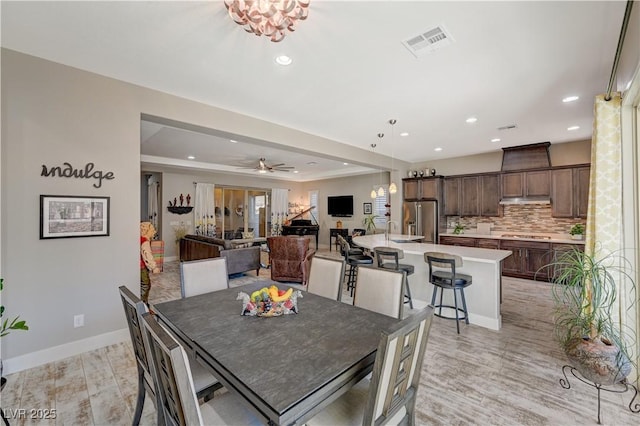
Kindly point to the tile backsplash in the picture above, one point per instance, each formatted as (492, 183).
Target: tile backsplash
(520, 218)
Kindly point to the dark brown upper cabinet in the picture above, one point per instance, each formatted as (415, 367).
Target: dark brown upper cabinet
(526, 184)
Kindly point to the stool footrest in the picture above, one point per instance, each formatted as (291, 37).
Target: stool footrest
(437, 307)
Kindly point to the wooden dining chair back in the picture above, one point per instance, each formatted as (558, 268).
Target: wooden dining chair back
(396, 372)
(175, 386)
(325, 277)
(389, 398)
(380, 290)
(134, 307)
(203, 276)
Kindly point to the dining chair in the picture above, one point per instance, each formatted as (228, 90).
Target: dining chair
(175, 385)
(390, 396)
(203, 276)
(134, 308)
(325, 277)
(380, 290)
(444, 276)
(389, 258)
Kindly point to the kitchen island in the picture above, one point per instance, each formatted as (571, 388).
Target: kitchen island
(484, 265)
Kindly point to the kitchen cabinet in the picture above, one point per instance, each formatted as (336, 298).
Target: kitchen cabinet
(490, 195)
(558, 249)
(415, 189)
(570, 192)
(534, 183)
(458, 241)
(478, 195)
(527, 259)
(489, 243)
(452, 195)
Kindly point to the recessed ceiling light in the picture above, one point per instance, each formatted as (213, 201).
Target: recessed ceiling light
(345, 164)
(262, 171)
(438, 149)
(232, 141)
(295, 171)
(471, 120)
(573, 128)
(191, 157)
(570, 98)
(495, 140)
(404, 134)
(283, 60)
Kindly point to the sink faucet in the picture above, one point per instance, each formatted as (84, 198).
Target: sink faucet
(387, 229)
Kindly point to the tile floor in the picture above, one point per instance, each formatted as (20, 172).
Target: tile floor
(479, 377)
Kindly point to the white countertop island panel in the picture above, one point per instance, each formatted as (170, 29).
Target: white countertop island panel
(484, 265)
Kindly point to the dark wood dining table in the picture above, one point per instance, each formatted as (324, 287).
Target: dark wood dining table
(286, 368)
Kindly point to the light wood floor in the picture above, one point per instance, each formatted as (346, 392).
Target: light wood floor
(478, 377)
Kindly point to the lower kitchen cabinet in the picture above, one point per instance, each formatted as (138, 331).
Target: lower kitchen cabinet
(527, 259)
(489, 243)
(458, 241)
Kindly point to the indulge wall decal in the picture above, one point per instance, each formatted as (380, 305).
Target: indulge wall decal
(68, 171)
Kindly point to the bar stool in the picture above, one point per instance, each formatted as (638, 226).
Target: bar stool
(388, 259)
(353, 258)
(448, 280)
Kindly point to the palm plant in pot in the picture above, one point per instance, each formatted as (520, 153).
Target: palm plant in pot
(585, 294)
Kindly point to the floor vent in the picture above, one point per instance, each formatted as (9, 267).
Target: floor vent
(428, 41)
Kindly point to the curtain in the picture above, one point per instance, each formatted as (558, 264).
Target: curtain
(204, 208)
(279, 209)
(604, 215)
(152, 201)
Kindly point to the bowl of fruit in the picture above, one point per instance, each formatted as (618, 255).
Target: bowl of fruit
(270, 302)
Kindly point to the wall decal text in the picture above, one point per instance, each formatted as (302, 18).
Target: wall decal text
(68, 171)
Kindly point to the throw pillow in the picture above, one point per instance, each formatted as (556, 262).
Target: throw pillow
(249, 234)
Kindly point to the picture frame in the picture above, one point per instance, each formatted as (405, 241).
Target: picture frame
(73, 216)
(367, 208)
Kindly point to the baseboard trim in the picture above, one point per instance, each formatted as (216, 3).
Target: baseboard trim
(34, 359)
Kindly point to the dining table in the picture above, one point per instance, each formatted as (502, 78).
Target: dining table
(285, 368)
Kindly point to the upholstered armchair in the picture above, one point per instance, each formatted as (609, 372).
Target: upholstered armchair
(290, 258)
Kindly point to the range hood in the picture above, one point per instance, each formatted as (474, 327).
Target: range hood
(507, 201)
(522, 158)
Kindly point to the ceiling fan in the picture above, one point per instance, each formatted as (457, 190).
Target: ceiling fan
(263, 167)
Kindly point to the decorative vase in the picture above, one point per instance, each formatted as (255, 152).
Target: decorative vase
(410, 173)
(597, 361)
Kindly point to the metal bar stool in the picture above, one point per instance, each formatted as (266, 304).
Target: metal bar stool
(448, 279)
(388, 259)
(353, 258)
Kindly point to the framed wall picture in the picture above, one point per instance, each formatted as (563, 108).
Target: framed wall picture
(367, 208)
(67, 216)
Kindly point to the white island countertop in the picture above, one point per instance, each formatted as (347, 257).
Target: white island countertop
(413, 247)
(484, 265)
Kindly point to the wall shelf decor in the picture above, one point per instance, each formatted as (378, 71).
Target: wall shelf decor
(180, 209)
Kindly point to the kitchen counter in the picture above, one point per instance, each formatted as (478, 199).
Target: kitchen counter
(484, 265)
(519, 236)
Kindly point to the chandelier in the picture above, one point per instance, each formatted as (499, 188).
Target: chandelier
(270, 18)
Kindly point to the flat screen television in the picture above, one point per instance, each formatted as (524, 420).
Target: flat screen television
(341, 205)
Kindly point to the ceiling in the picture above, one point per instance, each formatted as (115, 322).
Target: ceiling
(509, 64)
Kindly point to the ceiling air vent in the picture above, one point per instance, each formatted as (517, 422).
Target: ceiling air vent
(428, 41)
(509, 127)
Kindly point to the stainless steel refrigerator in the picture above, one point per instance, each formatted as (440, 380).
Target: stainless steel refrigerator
(421, 218)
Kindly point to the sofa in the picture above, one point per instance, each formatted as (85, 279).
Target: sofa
(290, 258)
(195, 247)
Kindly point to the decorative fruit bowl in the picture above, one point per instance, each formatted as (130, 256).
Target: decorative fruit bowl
(270, 302)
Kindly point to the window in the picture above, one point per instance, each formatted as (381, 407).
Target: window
(379, 209)
(313, 202)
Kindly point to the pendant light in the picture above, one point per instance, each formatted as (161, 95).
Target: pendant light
(392, 186)
(373, 191)
(380, 189)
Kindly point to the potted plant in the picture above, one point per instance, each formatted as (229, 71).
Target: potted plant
(577, 231)
(369, 222)
(6, 326)
(584, 290)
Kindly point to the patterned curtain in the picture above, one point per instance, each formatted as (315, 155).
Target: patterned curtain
(279, 209)
(204, 207)
(604, 217)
